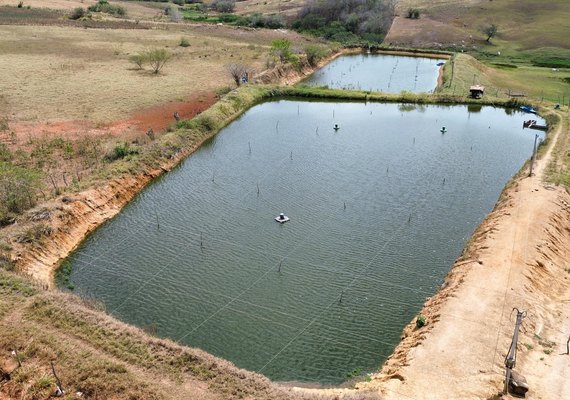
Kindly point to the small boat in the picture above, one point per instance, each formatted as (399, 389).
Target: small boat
(528, 109)
(532, 124)
(439, 64)
(282, 218)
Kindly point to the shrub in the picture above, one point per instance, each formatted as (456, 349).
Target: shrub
(184, 42)
(157, 58)
(315, 53)
(179, 2)
(120, 151)
(138, 59)
(18, 188)
(20, 4)
(104, 7)
(413, 13)
(420, 321)
(34, 233)
(224, 6)
(281, 48)
(77, 13)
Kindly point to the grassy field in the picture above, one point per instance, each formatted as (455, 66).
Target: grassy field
(55, 73)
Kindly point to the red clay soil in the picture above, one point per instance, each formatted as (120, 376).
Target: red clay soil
(159, 118)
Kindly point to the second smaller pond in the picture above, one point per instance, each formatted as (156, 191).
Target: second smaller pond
(378, 73)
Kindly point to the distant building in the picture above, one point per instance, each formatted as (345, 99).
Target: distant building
(477, 91)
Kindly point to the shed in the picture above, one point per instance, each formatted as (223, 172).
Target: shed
(477, 91)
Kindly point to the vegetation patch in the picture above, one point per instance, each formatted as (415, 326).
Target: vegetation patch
(350, 22)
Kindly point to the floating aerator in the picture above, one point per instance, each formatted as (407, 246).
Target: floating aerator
(282, 218)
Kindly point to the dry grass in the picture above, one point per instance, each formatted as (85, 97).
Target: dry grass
(286, 8)
(523, 24)
(134, 9)
(57, 73)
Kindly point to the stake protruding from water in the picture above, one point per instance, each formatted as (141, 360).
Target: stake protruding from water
(340, 299)
(249, 144)
(258, 190)
(280, 263)
(345, 205)
(201, 241)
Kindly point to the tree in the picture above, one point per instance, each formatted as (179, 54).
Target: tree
(281, 48)
(157, 58)
(18, 189)
(237, 72)
(490, 31)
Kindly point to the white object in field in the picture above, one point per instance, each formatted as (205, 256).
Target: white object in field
(282, 218)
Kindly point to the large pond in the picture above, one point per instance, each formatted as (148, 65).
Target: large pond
(379, 211)
(378, 72)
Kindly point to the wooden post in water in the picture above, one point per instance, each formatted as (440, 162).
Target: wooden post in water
(280, 263)
(533, 158)
(249, 144)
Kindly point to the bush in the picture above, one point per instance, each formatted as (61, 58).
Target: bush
(179, 2)
(138, 59)
(104, 7)
(34, 233)
(77, 13)
(184, 42)
(420, 321)
(281, 48)
(315, 53)
(224, 6)
(413, 13)
(120, 151)
(18, 189)
(157, 58)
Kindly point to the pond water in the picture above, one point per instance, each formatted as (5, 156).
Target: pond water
(378, 72)
(379, 211)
